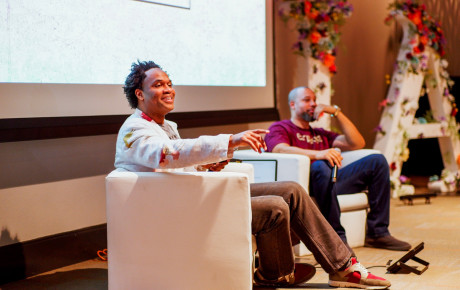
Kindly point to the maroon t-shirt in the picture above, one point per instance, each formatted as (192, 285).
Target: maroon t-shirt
(286, 132)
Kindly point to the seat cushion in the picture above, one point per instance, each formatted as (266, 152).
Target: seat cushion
(353, 202)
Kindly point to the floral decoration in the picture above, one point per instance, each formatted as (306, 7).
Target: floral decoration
(427, 28)
(428, 32)
(424, 32)
(317, 23)
(451, 180)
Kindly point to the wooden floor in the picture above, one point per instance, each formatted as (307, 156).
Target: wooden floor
(436, 224)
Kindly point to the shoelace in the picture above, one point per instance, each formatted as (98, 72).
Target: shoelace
(361, 269)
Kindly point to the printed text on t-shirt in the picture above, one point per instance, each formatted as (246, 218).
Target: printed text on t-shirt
(309, 139)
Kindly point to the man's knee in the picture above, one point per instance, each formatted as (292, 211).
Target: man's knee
(377, 161)
(381, 160)
(320, 167)
(295, 187)
(278, 208)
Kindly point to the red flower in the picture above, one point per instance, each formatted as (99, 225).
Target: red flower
(441, 51)
(333, 69)
(423, 39)
(313, 14)
(419, 48)
(383, 104)
(315, 36)
(393, 166)
(415, 17)
(329, 60)
(307, 7)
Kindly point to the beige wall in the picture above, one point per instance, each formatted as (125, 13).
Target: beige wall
(53, 186)
(363, 62)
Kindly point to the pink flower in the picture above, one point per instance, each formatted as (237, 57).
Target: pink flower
(383, 104)
(378, 128)
(404, 179)
(397, 91)
(297, 45)
(446, 92)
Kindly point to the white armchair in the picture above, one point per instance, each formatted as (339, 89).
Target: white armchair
(179, 230)
(293, 167)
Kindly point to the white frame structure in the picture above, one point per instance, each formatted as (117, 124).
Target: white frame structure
(397, 122)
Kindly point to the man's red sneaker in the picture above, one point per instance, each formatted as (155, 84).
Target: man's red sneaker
(357, 276)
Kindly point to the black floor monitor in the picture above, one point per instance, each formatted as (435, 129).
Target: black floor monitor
(400, 267)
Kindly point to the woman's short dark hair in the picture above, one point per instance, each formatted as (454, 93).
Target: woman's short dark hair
(135, 79)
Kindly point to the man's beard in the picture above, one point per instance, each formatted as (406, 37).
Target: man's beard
(307, 117)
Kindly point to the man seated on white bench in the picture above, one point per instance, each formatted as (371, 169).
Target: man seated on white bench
(148, 142)
(371, 173)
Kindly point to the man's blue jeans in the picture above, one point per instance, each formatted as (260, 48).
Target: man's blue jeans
(371, 173)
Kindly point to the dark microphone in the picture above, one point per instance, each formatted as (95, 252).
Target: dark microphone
(335, 168)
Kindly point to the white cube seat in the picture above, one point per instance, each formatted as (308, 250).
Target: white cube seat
(179, 230)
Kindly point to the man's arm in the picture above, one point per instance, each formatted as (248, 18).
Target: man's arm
(351, 139)
(249, 138)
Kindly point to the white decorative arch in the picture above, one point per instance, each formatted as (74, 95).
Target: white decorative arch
(397, 124)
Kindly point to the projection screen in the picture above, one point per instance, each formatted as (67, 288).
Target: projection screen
(62, 58)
